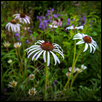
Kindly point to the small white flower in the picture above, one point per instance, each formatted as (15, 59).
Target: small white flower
(22, 18)
(17, 45)
(72, 27)
(10, 61)
(26, 28)
(32, 91)
(79, 70)
(46, 48)
(15, 27)
(31, 76)
(68, 74)
(87, 40)
(53, 26)
(74, 70)
(6, 44)
(83, 67)
(12, 84)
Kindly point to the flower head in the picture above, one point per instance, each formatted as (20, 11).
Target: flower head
(58, 22)
(32, 91)
(6, 44)
(31, 76)
(15, 27)
(22, 18)
(9, 61)
(87, 40)
(78, 70)
(74, 70)
(46, 48)
(12, 84)
(68, 74)
(72, 27)
(83, 67)
(17, 45)
(53, 26)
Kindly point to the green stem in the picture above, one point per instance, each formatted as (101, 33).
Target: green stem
(12, 64)
(72, 69)
(73, 81)
(45, 79)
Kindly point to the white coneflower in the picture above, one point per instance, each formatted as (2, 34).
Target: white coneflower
(15, 27)
(6, 44)
(46, 48)
(12, 84)
(87, 40)
(22, 18)
(32, 91)
(53, 26)
(68, 74)
(31, 76)
(9, 61)
(17, 45)
(72, 27)
(74, 70)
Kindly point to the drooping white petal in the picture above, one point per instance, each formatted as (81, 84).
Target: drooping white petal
(28, 20)
(35, 46)
(80, 42)
(44, 56)
(12, 27)
(9, 27)
(48, 58)
(35, 54)
(91, 46)
(32, 52)
(33, 49)
(39, 54)
(55, 58)
(58, 51)
(71, 27)
(77, 36)
(86, 47)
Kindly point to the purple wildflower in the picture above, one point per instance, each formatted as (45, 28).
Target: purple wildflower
(17, 34)
(68, 21)
(58, 15)
(5, 90)
(55, 15)
(27, 41)
(37, 17)
(52, 9)
(18, 38)
(47, 87)
(48, 11)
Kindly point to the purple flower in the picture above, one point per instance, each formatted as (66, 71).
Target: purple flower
(37, 17)
(5, 90)
(48, 11)
(68, 21)
(18, 38)
(55, 81)
(30, 31)
(27, 41)
(58, 15)
(17, 34)
(47, 87)
(55, 15)
(52, 9)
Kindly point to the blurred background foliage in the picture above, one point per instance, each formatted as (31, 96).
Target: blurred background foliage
(90, 79)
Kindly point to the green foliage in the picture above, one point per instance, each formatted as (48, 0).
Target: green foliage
(86, 86)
